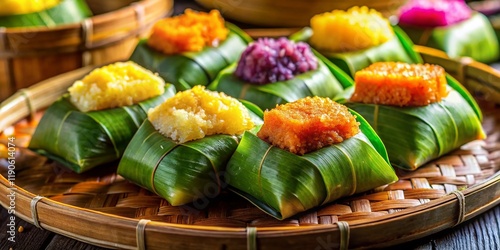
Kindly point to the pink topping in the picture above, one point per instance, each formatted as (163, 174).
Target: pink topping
(434, 13)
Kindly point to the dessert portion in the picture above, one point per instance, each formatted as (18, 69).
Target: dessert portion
(307, 153)
(356, 38)
(94, 122)
(450, 26)
(184, 145)
(418, 111)
(191, 49)
(196, 113)
(276, 71)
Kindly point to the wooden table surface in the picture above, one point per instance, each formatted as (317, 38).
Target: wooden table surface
(481, 232)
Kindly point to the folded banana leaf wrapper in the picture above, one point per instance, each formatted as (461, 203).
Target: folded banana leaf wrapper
(398, 49)
(188, 69)
(180, 173)
(67, 11)
(326, 81)
(495, 23)
(283, 184)
(414, 136)
(474, 38)
(83, 140)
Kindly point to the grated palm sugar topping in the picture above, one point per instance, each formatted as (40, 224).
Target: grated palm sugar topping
(308, 124)
(400, 84)
(191, 31)
(196, 113)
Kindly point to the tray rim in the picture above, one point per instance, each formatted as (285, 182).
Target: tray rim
(124, 230)
(237, 236)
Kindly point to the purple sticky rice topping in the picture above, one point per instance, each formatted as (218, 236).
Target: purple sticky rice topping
(270, 60)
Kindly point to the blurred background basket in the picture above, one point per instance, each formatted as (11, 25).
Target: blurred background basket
(290, 13)
(29, 55)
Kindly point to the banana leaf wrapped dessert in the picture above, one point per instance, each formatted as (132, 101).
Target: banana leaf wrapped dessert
(180, 151)
(307, 153)
(46, 13)
(418, 111)
(356, 38)
(93, 124)
(450, 26)
(191, 49)
(275, 71)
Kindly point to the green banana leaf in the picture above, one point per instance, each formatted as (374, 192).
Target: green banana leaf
(398, 49)
(180, 173)
(474, 38)
(495, 23)
(319, 82)
(283, 184)
(414, 136)
(83, 140)
(68, 11)
(193, 68)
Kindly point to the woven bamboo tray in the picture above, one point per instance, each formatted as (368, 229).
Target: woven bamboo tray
(101, 208)
(30, 55)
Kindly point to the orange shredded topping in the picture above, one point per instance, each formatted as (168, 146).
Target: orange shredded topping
(400, 84)
(191, 31)
(308, 124)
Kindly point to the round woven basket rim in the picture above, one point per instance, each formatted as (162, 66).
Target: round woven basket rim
(157, 10)
(433, 203)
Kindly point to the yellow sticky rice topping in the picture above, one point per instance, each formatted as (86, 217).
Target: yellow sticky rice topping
(196, 113)
(115, 85)
(191, 31)
(17, 7)
(400, 84)
(355, 29)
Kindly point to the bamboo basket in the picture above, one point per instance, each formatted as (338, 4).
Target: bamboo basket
(29, 55)
(100, 7)
(290, 13)
(100, 208)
